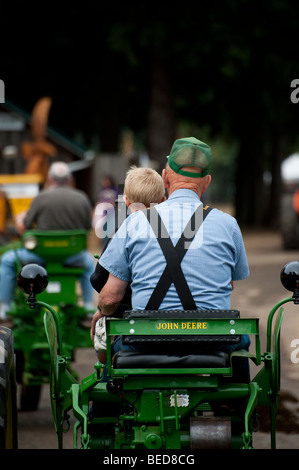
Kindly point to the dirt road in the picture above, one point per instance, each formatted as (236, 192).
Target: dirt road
(253, 297)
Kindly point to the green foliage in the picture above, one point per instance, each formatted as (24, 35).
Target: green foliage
(226, 65)
(224, 153)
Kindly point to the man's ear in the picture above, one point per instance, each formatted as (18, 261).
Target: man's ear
(207, 183)
(165, 178)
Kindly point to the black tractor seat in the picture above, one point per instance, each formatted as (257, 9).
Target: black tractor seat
(136, 360)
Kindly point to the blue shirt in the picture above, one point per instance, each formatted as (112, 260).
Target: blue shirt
(215, 257)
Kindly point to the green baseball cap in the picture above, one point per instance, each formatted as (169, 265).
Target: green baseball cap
(190, 152)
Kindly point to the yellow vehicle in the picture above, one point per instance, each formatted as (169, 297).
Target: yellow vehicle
(16, 194)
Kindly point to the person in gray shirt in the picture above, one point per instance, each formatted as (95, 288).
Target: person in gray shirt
(58, 207)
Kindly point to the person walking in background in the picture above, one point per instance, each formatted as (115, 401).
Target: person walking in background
(103, 217)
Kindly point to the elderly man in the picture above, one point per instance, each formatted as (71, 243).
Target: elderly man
(213, 255)
(58, 207)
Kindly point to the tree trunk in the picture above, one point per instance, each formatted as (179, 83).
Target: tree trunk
(278, 145)
(250, 204)
(161, 116)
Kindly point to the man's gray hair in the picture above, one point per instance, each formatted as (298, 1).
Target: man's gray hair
(59, 172)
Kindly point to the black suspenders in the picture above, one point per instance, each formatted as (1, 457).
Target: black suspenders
(174, 256)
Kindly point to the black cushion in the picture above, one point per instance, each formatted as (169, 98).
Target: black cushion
(136, 360)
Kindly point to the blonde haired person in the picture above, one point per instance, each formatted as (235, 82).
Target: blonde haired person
(143, 188)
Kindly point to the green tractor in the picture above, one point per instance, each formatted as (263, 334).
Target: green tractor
(30, 341)
(170, 400)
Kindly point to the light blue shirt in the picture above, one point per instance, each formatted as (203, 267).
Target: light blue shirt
(215, 257)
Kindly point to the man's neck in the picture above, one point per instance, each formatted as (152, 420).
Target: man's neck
(190, 186)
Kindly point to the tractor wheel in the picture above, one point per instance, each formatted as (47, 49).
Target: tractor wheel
(8, 392)
(30, 395)
(20, 361)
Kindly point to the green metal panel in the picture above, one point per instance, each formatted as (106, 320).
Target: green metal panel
(208, 326)
(57, 245)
